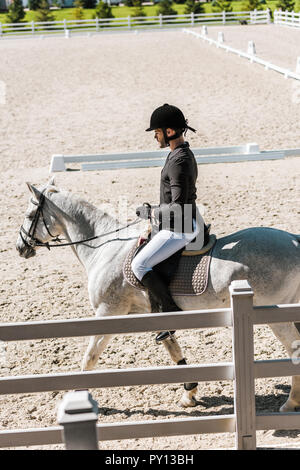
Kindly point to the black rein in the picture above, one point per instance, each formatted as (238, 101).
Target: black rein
(33, 242)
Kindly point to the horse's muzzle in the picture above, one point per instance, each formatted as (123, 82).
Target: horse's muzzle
(25, 251)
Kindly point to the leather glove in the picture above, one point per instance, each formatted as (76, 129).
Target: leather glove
(144, 211)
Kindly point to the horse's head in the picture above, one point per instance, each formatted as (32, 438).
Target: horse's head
(40, 224)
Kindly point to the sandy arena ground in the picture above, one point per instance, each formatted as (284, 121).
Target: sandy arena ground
(94, 95)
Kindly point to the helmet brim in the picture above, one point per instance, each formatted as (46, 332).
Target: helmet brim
(187, 127)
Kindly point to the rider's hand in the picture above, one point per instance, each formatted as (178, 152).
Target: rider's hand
(144, 211)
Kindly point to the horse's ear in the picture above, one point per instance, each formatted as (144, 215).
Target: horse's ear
(34, 191)
(29, 186)
(51, 188)
(51, 182)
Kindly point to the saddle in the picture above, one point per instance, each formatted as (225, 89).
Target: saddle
(186, 272)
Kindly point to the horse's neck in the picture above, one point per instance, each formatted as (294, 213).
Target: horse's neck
(81, 220)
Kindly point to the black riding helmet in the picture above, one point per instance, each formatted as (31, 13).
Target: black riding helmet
(169, 116)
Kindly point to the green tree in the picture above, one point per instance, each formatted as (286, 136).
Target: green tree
(221, 5)
(138, 9)
(43, 12)
(16, 12)
(89, 3)
(192, 7)
(57, 3)
(103, 10)
(34, 4)
(165, 8)
(285, 5)
(78, 13)
(250, 5)
(297, 6)
(128, 3)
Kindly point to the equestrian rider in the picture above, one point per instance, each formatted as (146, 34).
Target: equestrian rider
(176, 213)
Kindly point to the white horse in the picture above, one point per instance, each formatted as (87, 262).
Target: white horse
(268, 258)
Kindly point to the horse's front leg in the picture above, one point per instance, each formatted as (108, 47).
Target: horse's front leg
(190, 389)
(97, 344)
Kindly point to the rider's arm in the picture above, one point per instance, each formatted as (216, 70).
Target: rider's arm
(178, 173)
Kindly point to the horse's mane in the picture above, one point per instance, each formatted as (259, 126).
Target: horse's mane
(78, 209)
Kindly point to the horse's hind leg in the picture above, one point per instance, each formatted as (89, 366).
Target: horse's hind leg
(293, 402)
(289, 335)
(190, 389)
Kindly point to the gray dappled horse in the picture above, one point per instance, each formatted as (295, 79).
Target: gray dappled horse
(268, 258)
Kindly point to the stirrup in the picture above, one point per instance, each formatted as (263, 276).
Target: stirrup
(163, 335)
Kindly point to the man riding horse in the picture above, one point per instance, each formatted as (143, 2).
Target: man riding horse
(176, 215)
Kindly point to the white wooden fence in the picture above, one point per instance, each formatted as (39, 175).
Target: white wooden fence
(250, 54)
(129, 23)
(287, 18)
(242, 316)
(148, 159)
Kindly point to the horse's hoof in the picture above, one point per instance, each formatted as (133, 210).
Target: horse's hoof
(88, 363)
(288, 407)
(187, 402)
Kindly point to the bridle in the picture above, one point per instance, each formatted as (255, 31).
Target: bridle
(31, 241)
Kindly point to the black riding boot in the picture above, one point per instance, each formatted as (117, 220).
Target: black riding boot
(160, 292)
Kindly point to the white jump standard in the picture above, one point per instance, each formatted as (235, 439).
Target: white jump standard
(238, 153)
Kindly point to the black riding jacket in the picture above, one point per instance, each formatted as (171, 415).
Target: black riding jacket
(178, 191)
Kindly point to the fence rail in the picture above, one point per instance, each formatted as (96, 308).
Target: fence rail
(287, 18)
(128, 23)
(250, 54)
(242, 316)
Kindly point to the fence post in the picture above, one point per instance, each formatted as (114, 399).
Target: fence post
(97, 23)
(160, 19)
(129, 22)
(192, 18)
(78, 413)
(66, 31)
(243, 357)
(220, 37)
(32, 26)
(269, 16)
(251, 48)
(224, 17)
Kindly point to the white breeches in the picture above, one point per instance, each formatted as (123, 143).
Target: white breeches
(163, 245)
